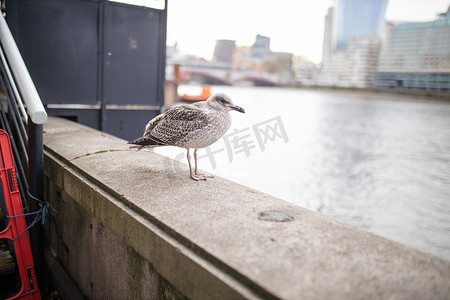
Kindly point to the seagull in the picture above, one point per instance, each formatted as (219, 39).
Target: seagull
(190, 126)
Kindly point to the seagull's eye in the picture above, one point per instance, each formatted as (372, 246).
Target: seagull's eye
(222, 100)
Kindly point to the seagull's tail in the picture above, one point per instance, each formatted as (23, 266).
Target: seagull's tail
(144, 142)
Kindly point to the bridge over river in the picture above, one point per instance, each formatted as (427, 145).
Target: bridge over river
(212, 73)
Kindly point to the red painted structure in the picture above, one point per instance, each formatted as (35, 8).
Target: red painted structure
(17, 227)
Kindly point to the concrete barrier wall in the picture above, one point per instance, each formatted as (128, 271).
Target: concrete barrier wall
(132, 228)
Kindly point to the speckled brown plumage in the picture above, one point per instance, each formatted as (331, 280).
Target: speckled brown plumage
(190, 126)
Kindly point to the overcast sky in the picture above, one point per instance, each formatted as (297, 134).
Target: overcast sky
(294, 26)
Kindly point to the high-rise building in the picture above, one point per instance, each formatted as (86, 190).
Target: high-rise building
(356, 18)
(417, 55)
(352, 41)
(327, 37)
(223, 52)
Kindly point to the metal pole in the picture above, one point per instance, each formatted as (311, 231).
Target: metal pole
(36, 189)
(103, 11)
(25, 84)
(162, 53)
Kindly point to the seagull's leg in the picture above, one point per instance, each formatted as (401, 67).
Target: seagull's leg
(196, 172)
(193, 175)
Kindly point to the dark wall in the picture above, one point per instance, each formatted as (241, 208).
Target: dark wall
(97, 62)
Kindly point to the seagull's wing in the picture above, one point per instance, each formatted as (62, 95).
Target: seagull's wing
(175, 124)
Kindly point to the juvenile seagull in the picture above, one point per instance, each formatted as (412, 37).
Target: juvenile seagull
(189, 126)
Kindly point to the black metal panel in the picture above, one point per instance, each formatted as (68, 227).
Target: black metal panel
(84, 55)
(88, 117)
(129, 124)
(58, 40)
(131, 48)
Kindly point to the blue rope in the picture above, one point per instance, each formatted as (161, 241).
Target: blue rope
(41, 214)
(36, 198)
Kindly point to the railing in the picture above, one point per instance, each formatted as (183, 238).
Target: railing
(20, 99)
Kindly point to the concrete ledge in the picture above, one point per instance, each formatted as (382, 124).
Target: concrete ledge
(130, 227)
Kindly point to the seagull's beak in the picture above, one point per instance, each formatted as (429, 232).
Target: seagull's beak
(238, 108)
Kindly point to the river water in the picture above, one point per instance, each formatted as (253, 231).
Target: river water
(375, 161)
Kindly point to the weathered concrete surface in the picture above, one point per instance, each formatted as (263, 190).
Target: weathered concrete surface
(210, 240)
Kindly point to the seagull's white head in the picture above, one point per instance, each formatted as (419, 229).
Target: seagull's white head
(222, 102)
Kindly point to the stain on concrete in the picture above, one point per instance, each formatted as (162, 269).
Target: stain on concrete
(137, 274)
(274, 216)
(99, 152)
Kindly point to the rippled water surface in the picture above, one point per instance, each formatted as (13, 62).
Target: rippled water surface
(375, 161)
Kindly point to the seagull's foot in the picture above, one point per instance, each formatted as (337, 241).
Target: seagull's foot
(205, 175)
(198, 177)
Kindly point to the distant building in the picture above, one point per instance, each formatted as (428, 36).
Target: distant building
(362, 58)
(305, 71)
(417, 55)
(280, 63)
(355, 19)
(223, 52)
(327, 39)
(259, 58)
(171, 51)
(243, 59)
(353, 37)
(253, 57)
(387, 30)
(261, 47)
